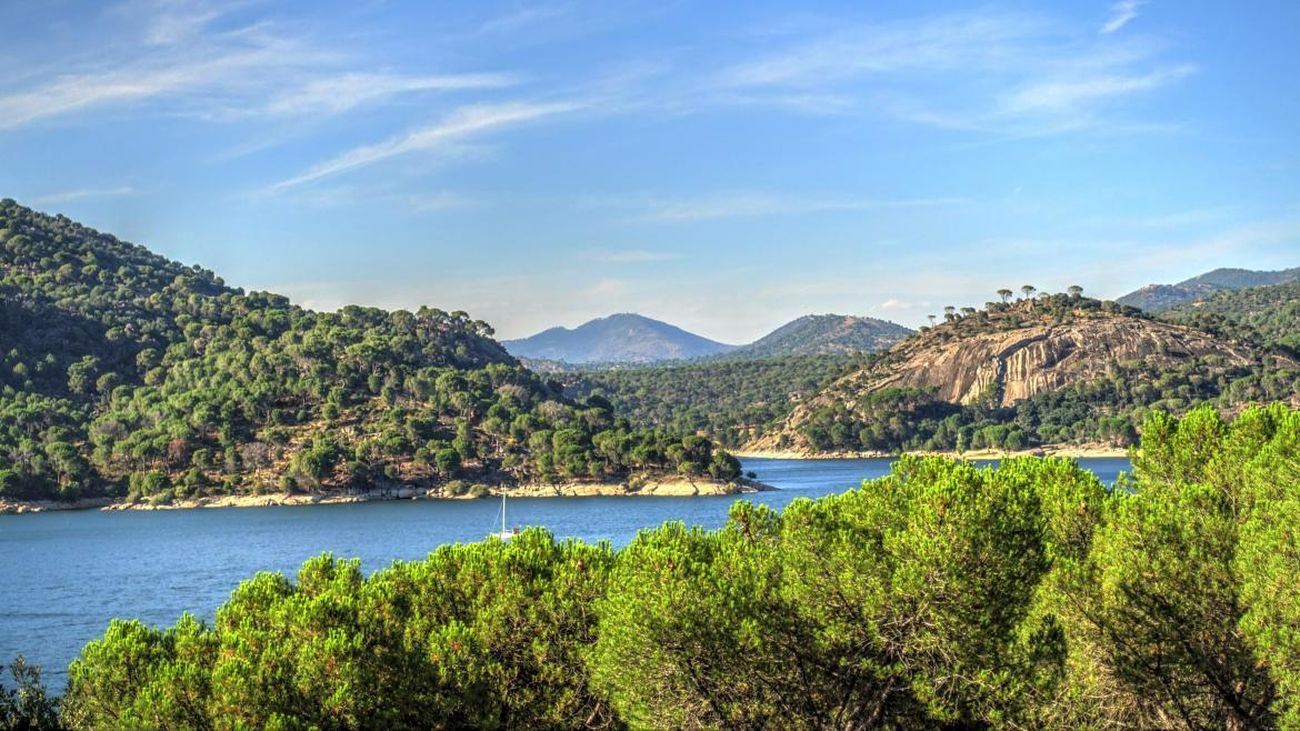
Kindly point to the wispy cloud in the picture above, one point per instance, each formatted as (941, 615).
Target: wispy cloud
(990, 71)
(337, 94)
(525, 17)
(187, 58)
(931, 44)
(460, 124)
(171, 22)
(82, 194)
(1121, 13)
(74, 92)
(893, 304)
(748, 205)
(1060, 96)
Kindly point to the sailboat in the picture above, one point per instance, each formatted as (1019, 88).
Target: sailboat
(505, 534)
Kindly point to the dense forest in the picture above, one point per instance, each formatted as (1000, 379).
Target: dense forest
(732, 400)
(941, 596)
(1157, 298)
(1106, 409)
(740, 403)
(125, 374)
(824, 335)
(1266, 315)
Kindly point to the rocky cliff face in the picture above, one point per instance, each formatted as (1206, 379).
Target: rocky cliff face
(1042, 357)
(1019, 351)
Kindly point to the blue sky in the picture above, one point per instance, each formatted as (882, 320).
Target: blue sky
(723, 166)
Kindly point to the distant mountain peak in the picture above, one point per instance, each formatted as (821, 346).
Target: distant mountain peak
(623, 337)
(1157, 297)
(628, 337)
(825, 334)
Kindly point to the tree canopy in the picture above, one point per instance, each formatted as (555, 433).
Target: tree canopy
(941, 596)
(128, 375)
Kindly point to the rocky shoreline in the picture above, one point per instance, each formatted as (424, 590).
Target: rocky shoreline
(668, 488)
(675, 487)
(1080, 451)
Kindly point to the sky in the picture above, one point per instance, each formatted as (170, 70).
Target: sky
(723, 166)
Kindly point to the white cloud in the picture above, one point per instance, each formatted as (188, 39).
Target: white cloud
(170, 29)
(175, 56)
(1063, 96)
(464, 122)
(893, 304)
(206, 79)
(75, 92)
(988, 71)
(524, 18)
(1120, 14)
(171, 22)
(337, 94)
(937, 43)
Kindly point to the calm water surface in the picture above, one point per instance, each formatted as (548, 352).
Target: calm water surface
(64, 575)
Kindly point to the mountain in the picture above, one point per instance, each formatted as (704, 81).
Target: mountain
(1156, 297)
(126, 375)
(634, 339)
(743, 394)
(826, 334)
(621, 338)
(1267, 315)
(1059, 368)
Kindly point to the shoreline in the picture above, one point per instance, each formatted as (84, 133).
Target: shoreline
(662, 488)
(1084, 451)
(676, 487)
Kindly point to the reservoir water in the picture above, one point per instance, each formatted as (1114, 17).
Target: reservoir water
(64, 575)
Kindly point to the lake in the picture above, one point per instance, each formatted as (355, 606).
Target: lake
(66, 574)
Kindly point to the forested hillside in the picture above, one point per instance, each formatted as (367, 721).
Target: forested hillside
(1045, 370)
(1048, 370)
(1268, 316)
(734, 401)
(621, 338)
(1160, 297)
(1029, 596)
(125, 374)
(825, 335)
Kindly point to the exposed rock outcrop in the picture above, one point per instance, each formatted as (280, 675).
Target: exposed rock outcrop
(1015, 352)
(1028, 361)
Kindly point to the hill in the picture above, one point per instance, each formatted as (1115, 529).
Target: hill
(628, 339)
(885, 607)
(1265, 315)
(825, 334)
(621, 338)
(1056, 369)
(733, 400)
(1157, 297)
(124, 374)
